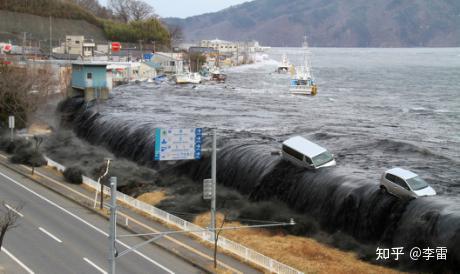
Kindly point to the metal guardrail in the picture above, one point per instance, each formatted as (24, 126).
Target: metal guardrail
(240, 250)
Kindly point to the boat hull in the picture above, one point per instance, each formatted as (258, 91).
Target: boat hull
(303, 90)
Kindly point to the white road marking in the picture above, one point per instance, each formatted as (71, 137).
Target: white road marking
(49, 234)
(85, 222)
(17, 260)
(14, 210)
(95, 265)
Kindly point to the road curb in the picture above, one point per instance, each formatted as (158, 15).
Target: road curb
(16, 169)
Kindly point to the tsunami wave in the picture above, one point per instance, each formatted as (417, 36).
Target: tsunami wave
(337, 200)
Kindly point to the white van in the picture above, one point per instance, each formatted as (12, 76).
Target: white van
(304, 153)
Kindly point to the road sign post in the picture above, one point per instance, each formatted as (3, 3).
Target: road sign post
(11, 125)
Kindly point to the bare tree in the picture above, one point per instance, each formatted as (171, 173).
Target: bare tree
(90, 5)
(140, 10)
(94, 7)
(8, 218)
(23, 90)
(121, 9)
(216, 240)
(129, 10)
(176, 32)
(35, 161)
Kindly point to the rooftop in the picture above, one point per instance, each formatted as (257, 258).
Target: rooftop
(402, 173)
(304, 146)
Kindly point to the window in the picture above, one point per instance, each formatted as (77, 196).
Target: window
(89, 75)
(293, 152)
(77, 42)
(172, 63)
(401, 183)
(417, 183)
(390, 177)
(322, 158)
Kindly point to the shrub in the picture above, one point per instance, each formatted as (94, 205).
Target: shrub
(28, 156)
(73, 175)
(11, 146)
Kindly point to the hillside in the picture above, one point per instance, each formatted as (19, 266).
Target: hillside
(333, 23)
(12, 24)
(70, 18)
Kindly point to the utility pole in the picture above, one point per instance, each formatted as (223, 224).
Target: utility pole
(113, 224)
(51, 39)
(213, 178)
(237, 53)
(140, 47)
(24, 45)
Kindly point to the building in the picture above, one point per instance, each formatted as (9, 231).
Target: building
(203, 50)
(167, 62)
(220, 45)
(73, 44)
(91, 80)
(76, 45)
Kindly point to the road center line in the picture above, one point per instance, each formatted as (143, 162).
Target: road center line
(49, 234)
(17, 261)
(95, 265)
(132, 219)
(14, 210)
(85, 222)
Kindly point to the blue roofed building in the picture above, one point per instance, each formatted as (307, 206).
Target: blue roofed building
(91, 80)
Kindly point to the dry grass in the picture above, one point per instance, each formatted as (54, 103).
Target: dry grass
(39, 128)
(302, 253)
(53, 170)
(153, 198)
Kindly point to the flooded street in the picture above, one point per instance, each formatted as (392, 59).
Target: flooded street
(376, 108)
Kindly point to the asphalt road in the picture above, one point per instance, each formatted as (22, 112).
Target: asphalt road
(56, 235)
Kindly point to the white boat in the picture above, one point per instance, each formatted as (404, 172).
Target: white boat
(188, 77)
(302, 81)
(218, 76)
(284, 66)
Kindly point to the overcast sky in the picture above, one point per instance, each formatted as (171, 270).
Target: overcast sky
(186, 8)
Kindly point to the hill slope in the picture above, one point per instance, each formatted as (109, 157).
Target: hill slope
(12, 24)
(333, 23)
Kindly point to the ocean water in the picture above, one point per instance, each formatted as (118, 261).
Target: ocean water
(375, 108)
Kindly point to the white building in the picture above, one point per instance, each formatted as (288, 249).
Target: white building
(76, 45)
(168, 62)
(220, 45)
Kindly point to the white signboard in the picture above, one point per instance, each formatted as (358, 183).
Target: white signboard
(207, 189)
(178, 144)
(11, 121)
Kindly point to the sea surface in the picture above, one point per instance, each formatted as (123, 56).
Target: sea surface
(375, 108)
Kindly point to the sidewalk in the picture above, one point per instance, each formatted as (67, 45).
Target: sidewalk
(180, 244)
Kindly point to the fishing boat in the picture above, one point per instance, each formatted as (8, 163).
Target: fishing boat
(302, 81)
(284, 66)
(188, 77)
(217, 76)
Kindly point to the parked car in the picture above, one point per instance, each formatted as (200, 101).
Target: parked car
(405, 184)
(303, 153)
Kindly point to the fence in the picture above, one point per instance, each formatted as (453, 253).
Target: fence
(245, 253)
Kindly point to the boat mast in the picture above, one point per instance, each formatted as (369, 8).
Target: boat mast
(306, 58)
